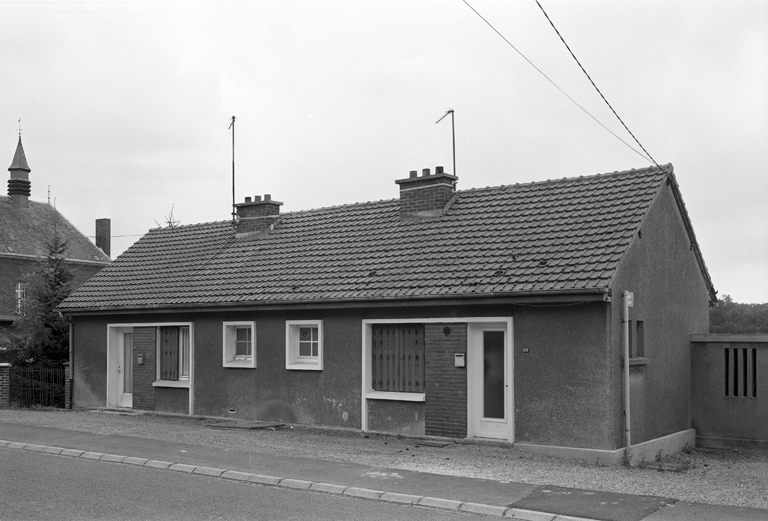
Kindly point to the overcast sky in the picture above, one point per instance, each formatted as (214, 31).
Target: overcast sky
(125, 105)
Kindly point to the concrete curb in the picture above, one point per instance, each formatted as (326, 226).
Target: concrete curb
(299, 484)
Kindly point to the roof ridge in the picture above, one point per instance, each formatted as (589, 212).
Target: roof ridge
(666, 169)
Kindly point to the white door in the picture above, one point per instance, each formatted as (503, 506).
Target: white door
(125, 370)
(490, 382)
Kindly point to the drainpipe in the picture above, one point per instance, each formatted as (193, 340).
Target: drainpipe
(627, 301)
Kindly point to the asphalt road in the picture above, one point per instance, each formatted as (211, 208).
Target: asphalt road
(36, 486)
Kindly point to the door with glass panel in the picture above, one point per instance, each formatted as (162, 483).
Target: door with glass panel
(490, 375)
(125, 370)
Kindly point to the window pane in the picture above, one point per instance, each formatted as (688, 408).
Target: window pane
(243, 341)
(493, 374)
(184, 352)
(305, 349)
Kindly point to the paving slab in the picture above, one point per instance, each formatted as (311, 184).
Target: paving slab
(608, 506)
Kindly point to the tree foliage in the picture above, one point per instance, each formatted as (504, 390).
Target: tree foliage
(42, 336)
(731, 317)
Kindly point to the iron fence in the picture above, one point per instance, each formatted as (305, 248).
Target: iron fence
(38, 386)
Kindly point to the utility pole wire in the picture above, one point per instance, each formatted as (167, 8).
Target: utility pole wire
(595, 86)
(556, 85)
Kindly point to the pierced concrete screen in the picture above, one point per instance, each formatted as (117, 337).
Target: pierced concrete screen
(741, 372)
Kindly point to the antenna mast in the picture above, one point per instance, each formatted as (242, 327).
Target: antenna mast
(453, 136)
(234, 211)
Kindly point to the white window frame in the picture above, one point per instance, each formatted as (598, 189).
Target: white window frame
(229, 335)
(292, 359)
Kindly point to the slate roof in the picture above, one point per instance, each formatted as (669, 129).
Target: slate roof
(548, 237)
(27, 231)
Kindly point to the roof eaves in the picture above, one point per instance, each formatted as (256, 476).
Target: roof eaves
(590, 294)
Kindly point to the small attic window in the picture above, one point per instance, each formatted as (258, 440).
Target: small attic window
(10, 248)
(96, 257)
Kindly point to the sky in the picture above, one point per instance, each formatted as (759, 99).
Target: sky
(125, 106)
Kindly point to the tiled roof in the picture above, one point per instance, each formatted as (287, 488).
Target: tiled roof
(554, 236)
(27, 231)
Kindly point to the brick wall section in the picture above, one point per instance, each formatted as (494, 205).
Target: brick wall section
(257, 216)
(67, 386)
(445, 384)
(5, 386)
(144, 343)
(425, 194)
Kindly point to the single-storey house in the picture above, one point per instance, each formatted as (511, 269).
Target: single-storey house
(490, 313)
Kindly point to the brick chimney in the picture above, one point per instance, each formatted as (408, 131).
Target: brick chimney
(257, 217)
(427, 195)
(104, 235)
(19, 187)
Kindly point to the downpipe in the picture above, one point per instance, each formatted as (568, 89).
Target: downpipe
(627, 301)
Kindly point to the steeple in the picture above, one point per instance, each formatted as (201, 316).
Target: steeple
(19, 187)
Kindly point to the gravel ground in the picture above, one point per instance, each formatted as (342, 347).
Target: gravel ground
(727, 477)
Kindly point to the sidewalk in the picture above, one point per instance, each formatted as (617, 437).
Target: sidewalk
(513, 500)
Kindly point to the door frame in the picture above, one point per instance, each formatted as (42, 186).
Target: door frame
(114, 332)
(123, 400)
(475, 379)
(115, 343)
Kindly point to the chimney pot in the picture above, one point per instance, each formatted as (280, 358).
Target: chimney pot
(256, 198)
(438, 170)
(414, 173)
(424, 172)
(247, 199)
(267, 197)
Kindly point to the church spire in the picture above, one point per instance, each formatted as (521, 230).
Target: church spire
(19, 187)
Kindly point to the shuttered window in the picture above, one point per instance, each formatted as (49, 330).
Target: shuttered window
(174, 353)
(169, 353)
(398, 358)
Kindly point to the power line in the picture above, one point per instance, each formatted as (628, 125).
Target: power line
(595, 86)
(556, 85)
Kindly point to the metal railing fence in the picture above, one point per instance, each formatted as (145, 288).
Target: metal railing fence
(38, 386)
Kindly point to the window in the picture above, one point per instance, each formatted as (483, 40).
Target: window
(239, 349)
(174, 353)
(398, 358)
(304, 345)
(21, 295)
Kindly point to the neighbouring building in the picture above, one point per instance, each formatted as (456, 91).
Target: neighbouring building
(492, 313)
(26, 229)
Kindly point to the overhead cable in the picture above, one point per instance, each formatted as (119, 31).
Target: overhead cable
(644, 156)
(595, 86)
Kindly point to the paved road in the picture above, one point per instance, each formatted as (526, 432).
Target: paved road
(36, 486)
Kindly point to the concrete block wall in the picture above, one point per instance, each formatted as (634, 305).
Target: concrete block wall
(445, 384)
(144, 344)
(730, 408)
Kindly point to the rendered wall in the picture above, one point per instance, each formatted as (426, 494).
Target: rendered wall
(736, 417)
(561, 385)
(671, 299)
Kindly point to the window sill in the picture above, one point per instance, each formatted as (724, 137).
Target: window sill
(395, 396)
(639, 361)
(304, 366)
(183, 384)
(240, 364)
